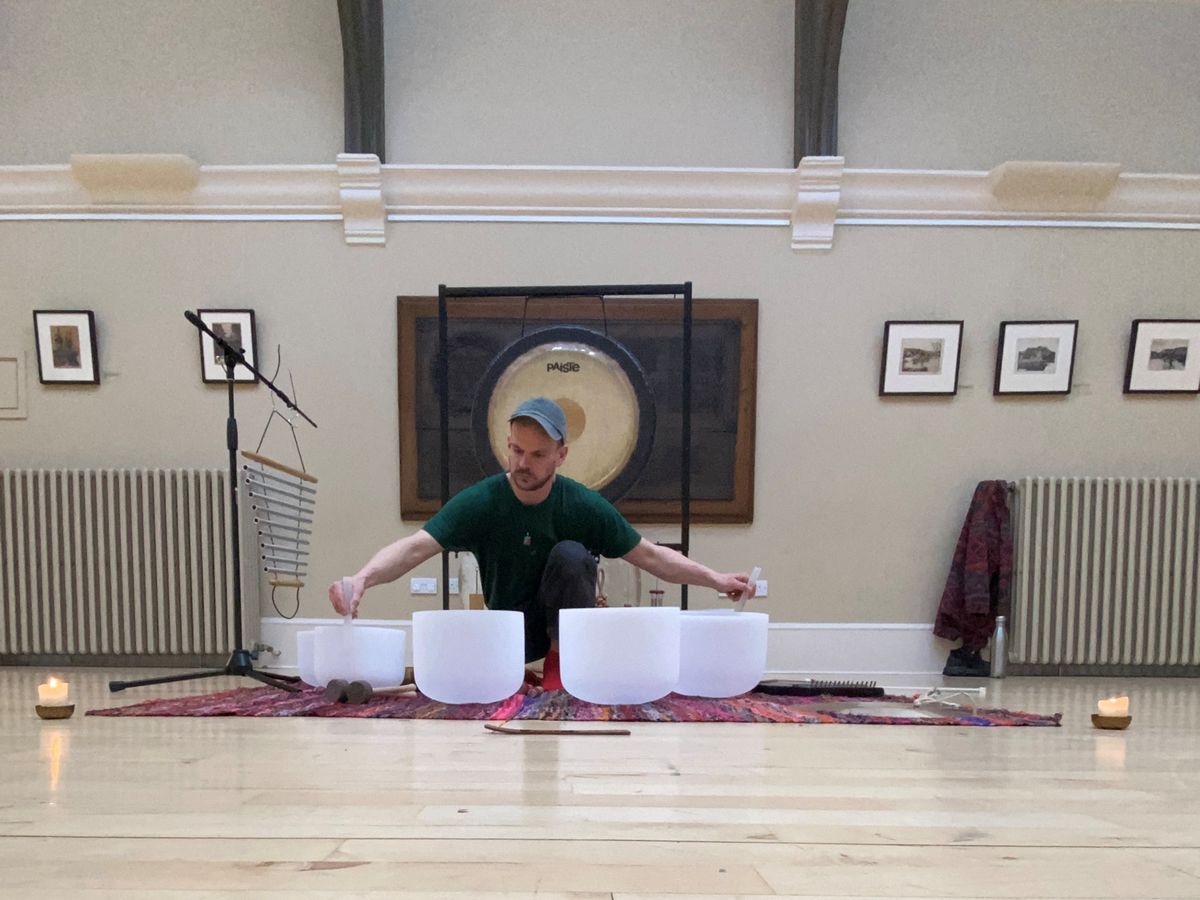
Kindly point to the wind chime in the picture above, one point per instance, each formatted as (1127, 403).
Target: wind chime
(282, 500)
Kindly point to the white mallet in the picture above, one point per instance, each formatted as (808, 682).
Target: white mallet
(754, 573)
(347, 593)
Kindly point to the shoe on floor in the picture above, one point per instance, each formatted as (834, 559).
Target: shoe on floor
(963, 663)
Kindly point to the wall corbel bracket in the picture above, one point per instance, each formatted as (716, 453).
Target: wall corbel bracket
(818, 193)
(360, 181)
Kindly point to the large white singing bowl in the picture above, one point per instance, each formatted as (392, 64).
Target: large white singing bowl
(619, 655)
(468, 655)
(304, 656)
(722, 653)
(359, 653)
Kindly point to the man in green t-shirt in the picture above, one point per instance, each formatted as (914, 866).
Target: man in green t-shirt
(536, 535)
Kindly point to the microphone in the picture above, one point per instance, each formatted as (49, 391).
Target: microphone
(192, 317)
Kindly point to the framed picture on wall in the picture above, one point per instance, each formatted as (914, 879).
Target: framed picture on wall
(235, 326)
(66, 346)
(1164, 357)
(920, 358)
(724, 391)
(1035, 357)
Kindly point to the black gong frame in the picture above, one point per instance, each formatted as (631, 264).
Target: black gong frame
(572, 291)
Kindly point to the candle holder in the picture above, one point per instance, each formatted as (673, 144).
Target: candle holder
(1111, 723)
(55, 712)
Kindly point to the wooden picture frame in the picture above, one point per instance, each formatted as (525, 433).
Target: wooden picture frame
(237, 323)
(67, 348)
(1036, 357)
(1164, 357)
(920, 358)
(725, 363)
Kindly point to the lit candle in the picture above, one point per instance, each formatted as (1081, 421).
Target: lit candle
(1114, 706)
(54, 693)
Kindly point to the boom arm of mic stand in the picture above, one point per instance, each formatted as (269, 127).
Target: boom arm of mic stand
(240, 359)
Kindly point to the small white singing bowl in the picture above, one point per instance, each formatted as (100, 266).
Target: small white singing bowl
(304, 656)
(619, 655)
(468, 655)
(722, 653)
(358, 653)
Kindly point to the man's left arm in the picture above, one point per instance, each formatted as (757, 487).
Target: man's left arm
(672, 566)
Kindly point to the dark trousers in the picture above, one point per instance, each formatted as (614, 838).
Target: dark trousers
(568, 582)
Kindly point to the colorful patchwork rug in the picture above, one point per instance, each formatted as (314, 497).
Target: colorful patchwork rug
(535, 704)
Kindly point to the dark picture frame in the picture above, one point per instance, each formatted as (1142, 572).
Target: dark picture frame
(68, 351)
(236, 323)
(1164, 357)
(1036, 357)
(916, 358)
(725, 336)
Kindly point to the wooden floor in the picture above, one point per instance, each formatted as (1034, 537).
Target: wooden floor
(265, 808)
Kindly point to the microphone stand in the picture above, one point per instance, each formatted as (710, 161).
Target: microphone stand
(240, 661)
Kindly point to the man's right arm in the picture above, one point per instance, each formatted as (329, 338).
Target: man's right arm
(387, 565)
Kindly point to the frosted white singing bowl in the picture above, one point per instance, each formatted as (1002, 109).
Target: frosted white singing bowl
(468, 655)
(722, 653)
(619, 655)
(304, 656)
(359, 653)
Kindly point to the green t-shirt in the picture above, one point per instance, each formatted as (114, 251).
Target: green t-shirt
(512, 541)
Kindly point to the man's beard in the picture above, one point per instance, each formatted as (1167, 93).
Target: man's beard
(521, 478)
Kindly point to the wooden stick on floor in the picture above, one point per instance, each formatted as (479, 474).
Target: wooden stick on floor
(506, 728)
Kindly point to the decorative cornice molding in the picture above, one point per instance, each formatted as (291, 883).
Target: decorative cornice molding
(812, 199)
(1078, 187)
(900, 197)
(818, 192)
(221, 193)
(141, 178)
(519, 193)
(361, 186)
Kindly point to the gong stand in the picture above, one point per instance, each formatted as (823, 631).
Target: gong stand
(572, 291)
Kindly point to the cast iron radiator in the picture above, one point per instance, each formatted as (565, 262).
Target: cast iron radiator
(105, 565)
(1105, 576)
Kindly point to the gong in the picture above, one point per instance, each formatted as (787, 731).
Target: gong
(599, 385)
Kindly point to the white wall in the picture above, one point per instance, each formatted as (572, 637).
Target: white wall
(967, 84)
(618, 82)
(224, 81)
(942, 84)
(858, 500)
(924, 83)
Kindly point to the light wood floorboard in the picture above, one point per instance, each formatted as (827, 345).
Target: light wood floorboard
(175, 808)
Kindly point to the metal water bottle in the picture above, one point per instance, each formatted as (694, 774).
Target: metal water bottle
(999, 647)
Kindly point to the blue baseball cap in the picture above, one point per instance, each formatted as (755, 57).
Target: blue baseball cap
(546, 413)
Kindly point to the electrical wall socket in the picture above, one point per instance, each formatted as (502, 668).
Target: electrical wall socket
(761, 589)
(423, 586)
(454, 585)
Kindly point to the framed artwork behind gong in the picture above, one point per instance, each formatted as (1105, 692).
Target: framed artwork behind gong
(67, 351)
(724, 366)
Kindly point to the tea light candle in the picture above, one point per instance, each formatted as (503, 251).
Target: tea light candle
(1114, 706)
(54, 693)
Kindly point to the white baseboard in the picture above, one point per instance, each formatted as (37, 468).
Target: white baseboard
(855, 649)
(794, 648)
